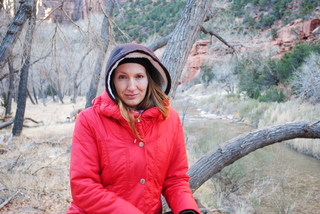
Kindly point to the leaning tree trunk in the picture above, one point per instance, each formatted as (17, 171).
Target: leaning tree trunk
(105, 37)
(236, 148)
(14, 31)
(22, 90)
(183, 37)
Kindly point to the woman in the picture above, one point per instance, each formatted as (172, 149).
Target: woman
(128, 148)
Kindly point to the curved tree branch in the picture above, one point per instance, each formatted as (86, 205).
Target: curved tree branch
(236, 148)
(160, 43)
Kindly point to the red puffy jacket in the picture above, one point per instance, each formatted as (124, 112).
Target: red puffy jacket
(112, 171)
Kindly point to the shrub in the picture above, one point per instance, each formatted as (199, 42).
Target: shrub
(50, 91)
(266, 21)
(249, 71)
(272, 95)
(306, 7)
(291, 61)
(206, 74)
(306, 81)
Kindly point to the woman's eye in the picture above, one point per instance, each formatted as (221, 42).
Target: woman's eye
(140, 76)
(122, 77)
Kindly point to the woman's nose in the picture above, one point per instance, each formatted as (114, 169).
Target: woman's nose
(131, 85)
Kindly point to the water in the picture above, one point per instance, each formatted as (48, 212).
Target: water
(289, 182)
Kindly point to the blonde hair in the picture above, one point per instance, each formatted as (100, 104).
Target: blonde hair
(155, 97)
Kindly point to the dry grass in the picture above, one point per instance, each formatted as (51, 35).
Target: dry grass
(35, 166)
(279, 113)
(261, 114)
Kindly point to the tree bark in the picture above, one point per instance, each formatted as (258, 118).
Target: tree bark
(11, 88)
(184, 36)
(14, 31)
(105, 38)
(236, 148)
(22, 91)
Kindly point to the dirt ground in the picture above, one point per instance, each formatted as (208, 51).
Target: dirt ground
(34, 168)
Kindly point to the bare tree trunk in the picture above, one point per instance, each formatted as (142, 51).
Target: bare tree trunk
(76, 84)
(30, 97)
(41, 93)
(236, 148)
(105, 37)
(11, 88)
(22, 91)
(14, 31)
(184, 36)
(35, 95)
(56, 88)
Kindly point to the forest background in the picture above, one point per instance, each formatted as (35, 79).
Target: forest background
(256, 84)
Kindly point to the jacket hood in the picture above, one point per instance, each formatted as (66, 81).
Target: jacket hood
(157, 71)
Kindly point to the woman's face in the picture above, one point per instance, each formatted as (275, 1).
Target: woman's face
(131, 82)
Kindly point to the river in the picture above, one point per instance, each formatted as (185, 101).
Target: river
(279, 179)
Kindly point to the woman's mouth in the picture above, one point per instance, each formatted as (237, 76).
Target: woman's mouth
(131, 96)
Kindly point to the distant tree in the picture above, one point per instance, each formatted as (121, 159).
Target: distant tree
(76, 82)
(103, 47)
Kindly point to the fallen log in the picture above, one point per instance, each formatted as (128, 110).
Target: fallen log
(10, 122)
(7, 123)
(236, 148)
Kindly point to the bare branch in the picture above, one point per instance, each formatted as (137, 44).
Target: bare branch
(41, 58)
(218, 37)
(16, 71)
(14, 163)
(9, 199)
(7, 75)
(37, 122)
(113, 22)
(160, 43)
(6, 124)
(49, 165)
(51, 12)
(11, 121)
(65, 13)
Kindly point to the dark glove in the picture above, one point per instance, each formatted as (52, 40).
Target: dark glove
(188, 212)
